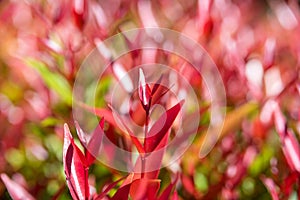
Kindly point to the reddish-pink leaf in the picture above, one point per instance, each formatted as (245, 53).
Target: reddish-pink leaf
(75, 169)
(161, 127)
(80, 134)
(67, 150)
(291, 150)
(287, 186)
(122, 193)
(108, 188)
(134, 139)
(93, 146)
(161, 91)
(175, 196)
(156, 85)
(270, 185)
(80, 12)
(67, 159)
(144, 90)
(188, 184)
(279, 120)
(154, 160)
(269, 52)
(144, 189)
(15, 190)
(167, 192)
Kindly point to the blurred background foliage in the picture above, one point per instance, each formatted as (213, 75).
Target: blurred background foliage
(255, 45)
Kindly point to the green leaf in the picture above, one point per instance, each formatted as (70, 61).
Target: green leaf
(262, 161)
(53, 80)
(50, 121)
(201, 182)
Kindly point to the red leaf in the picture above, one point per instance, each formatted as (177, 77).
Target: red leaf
(144, 90)
(167, 192)
(161, 127)
(93, 146)
(15, 190)
(270, 185)
(108, 188)
(67, 150)
(80, 134)
(288, 182)
(144, 189)
(188, 184)
(175, 196)
(75, 167)
(122, 193)
(134, 139)
(156, 85)
(80, 14)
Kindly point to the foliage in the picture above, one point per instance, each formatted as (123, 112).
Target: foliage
(255, 45)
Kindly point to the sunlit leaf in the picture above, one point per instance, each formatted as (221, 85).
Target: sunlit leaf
(161, 127)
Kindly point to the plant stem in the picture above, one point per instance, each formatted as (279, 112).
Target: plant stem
(143, 157)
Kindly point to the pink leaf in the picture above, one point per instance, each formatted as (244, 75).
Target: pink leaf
(15, 190)
(134, 139)
(291, 150)
(144, 90)
(80, 134)
(269, 183)
(161, 127)
(93, 146)
(175, 196)
(75, 170)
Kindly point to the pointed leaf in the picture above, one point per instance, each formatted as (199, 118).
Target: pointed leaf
(122, 193)
(270, 185)
(156, 85)
(161, 127)
(108, 188)
(94, 144)
(167, 192)
(144, 189)
(67, 150)
(80, 12)
(287, 185)
(80, 134)
(75, 170)
(175, 196)
(291, 150)
(144, 89)
(15, 190)
(134, 139)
